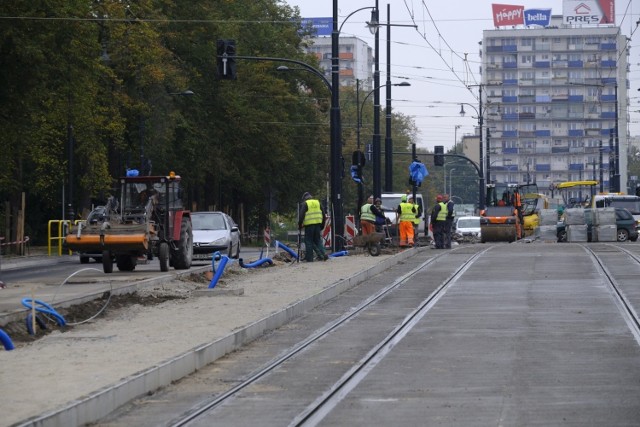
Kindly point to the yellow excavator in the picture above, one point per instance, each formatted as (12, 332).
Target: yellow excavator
(501, 221)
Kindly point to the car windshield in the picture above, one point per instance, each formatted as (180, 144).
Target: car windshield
(208, 222)
(469, 223)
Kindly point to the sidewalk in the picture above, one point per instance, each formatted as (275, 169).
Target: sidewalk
(147, 347)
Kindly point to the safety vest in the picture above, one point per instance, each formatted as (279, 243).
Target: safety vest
(416, 221)
(406, 214)
(314, 213)
(442, 215)
(366, 214)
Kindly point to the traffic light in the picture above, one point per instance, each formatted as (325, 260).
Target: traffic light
(226, 59)
(438, 158)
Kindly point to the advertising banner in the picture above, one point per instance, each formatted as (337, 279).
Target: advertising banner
(576, 12)
(540, 17)
(322, 26)
(507, 15)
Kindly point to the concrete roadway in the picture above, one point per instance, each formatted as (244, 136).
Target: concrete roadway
(530, 335)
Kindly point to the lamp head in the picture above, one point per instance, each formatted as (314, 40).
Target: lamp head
(462, 112)
(373, 24)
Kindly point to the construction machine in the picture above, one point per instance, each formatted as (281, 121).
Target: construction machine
(147, 219)
(509, 207)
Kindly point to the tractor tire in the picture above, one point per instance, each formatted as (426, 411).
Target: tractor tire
(183, 256)
(163, 256)
(126, 262)
(107, 262)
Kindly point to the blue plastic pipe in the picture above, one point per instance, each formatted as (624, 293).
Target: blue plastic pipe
(6, 341)
(337, 254)
(218, 272)
(287, 248)
(255, 263)
(44, 308)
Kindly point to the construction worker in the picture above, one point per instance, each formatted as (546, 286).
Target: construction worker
(439, 221)
(450, 217)
(416, 219)
(311, 217)
(370, 214)
(406, 214)
(516, 202)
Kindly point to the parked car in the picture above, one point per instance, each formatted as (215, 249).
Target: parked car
(467, 226)
(625, 224)
(213, 232)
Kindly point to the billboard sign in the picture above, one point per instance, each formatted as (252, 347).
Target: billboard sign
(540, 17)
(577, 12)
(322, 26)
(505, 15)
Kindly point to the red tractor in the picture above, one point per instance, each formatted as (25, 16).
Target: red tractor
(148, 219)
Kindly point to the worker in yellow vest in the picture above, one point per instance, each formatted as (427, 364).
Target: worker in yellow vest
(406, 214)
(439, 222)
(312, 217)
(416, 219)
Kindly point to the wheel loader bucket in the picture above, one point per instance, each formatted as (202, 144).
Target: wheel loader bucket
(93, 242)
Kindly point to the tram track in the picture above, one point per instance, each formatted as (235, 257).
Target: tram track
(624, 303)
(315, 410)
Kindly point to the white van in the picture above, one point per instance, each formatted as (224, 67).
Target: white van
(390, 202)
(629, 202)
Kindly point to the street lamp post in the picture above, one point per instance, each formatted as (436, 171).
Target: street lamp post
(388, 141)
(451, 180)
(481, 182)
(359, 109)
(455, 139)
(335, 172)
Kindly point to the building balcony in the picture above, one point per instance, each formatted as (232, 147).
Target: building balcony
(510, 65)
(576, 132)
(559, 150)
(576, 166)
(347, 72)
(576, 64)
(345, 55)
(543, 150)
(542, 64)
(576, 150)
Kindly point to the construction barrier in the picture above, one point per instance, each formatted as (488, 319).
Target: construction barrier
(349, 230)
(326, 233)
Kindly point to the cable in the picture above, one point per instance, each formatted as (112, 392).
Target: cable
(103, 307)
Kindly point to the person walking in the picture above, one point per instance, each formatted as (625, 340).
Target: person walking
(406, 214)
(370, 214)
(438, 221)
(449, 223)
(312, 217)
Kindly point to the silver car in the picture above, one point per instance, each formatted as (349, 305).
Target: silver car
(213, 232)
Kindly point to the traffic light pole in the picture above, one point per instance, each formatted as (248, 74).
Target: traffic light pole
(481, 184)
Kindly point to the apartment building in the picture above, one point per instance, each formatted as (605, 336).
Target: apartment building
(554, 98)
(356, 60)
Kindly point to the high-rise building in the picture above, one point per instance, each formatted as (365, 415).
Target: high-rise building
(356, 60)
(553, 100)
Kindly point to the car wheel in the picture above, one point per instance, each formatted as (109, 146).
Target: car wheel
(237, 255)
(623, 235)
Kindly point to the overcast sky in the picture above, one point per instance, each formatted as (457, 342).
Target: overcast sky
(432, 57)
